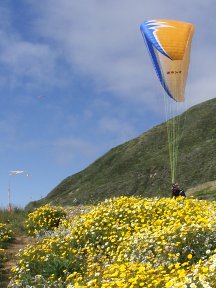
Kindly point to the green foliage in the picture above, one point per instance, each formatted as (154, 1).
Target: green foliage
(12, 224)
(2, 261)
(14, 219)
(44, 219)
(205, 191)
(6, 235)
(206, 194)
(141, 166)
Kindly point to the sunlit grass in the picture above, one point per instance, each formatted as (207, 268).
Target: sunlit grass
(14, 219)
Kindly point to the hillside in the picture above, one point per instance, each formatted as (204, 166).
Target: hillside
(141, 166)
(205, 191)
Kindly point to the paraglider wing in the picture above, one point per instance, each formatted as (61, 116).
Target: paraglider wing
(169, 43)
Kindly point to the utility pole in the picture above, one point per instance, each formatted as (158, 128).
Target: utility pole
(9, 201)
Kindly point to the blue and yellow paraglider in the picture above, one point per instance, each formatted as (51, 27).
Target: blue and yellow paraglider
(169, 45)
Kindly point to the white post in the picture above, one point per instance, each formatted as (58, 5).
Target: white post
(9, 201)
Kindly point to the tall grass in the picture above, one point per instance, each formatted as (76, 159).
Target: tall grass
(14, 219)
(12, 224)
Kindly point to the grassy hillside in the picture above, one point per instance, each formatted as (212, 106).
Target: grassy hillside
(141, 166)
(205, 191)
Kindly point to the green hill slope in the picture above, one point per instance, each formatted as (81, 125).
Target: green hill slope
(141, 166)
(205, 191)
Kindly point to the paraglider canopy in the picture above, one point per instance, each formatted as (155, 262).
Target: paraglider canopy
(169, 43)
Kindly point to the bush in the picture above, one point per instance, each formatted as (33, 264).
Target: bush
(45, 218)
(6, 235)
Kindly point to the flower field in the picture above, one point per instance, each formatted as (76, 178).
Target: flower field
(122, 242)
(44, 219)
(6, 236)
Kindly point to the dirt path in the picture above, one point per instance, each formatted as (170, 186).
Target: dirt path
(18, 243)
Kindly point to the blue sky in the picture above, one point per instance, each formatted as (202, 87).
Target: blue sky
(76, 80)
